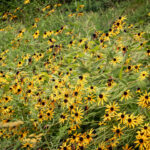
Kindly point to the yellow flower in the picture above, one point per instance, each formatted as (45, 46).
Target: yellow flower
(148, 52)
(81, 6)
(143, 75)
(63, 118)
(58, 5)
(51, 41)
(90, 98)
(71, 15)
(112, 108)
(26, 1)
(65, 146)
(102, 98)
(36, 34)
(126, 147)
(80, 14)
(117, 130)
(37, 20)
(146, 128)
(101, 146)
(137, 67)
(121, 117)
(45, 35)
(130, 121)
(41, 117)
(20, 63)
(142, 142)
(144, 100)
(89, 138)
(116, 60)
(126, 95)
(27, 145)
(49, 33)
(107, 116)
(77, 115)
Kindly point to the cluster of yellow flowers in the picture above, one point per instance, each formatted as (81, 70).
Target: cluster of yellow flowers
(74, 93)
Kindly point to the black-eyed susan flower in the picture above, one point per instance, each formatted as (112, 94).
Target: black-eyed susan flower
(121, 117)
(45, 35)
(71, 43)
(34, 25)
(65, 146)
(89, 136)
(101, 146)
(124, 50)
(90, 98)
(99, 56)
(138, 36)
(36, 34)
(18, 90)
(74, 138)
(77, 115)
(63, 118)
(138, 90)
(72, 107)
(126, 147)
(82, 41)
(145, 128)
(49, 114)
(76, 92)
(144, 100)
(110, 84)
(126, 95)
(41, 117)
(141, 142)
(102, 97)
(20, 63)
(86, 47)
(130, 121)
(139, 119)
(116, 60)
(112, 108)
(137, 67)
(6, 99)
(129, 68)
(107, 116)
(27, 145)
(81, 139)
(117, 130)
(91, 89)
(143, 75)
(82, 79)
(49, 33)
(51, 41)
(148, 52)
(21, 33)
(142, 44)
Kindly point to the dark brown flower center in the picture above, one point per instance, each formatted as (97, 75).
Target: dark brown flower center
(125, 93)
(129, 120)
(141, 140)
(100, 96)
(118, 131)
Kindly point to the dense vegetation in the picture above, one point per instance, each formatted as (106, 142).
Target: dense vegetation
(75, 75)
